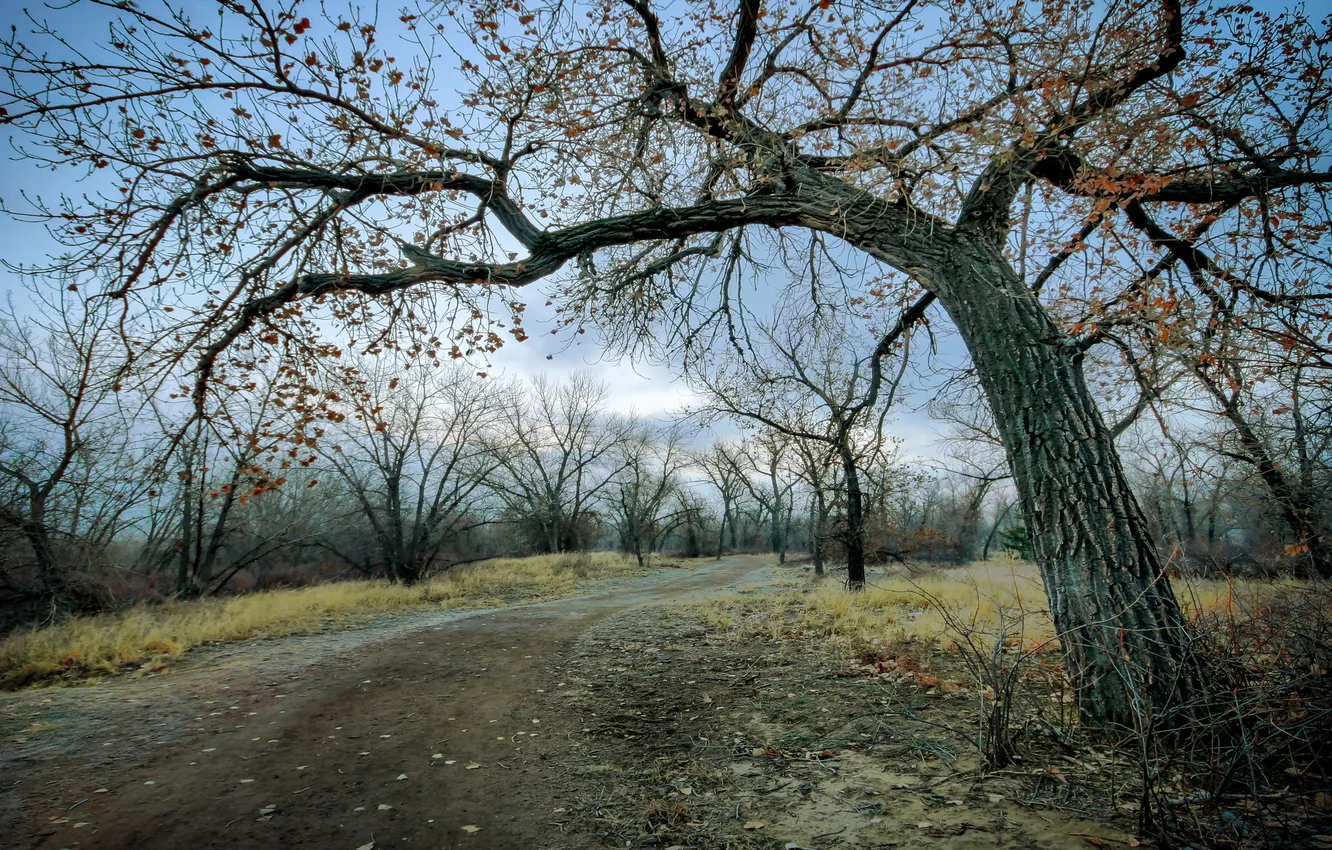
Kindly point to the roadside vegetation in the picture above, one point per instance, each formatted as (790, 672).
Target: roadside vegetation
(148, 637)
(938, 605)
(967, 657)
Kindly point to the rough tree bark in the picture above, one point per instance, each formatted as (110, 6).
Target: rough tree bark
(1118, 621)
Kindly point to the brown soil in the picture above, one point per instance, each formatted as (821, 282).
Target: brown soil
(700, 737)
(338, 752)
(615, 720)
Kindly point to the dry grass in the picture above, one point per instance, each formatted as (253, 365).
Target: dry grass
(150, 635)
(925, 606)
(970, 651)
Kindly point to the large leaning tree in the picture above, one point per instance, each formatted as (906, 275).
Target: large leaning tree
(268, 170)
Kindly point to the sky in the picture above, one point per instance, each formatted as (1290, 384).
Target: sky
(645, 388)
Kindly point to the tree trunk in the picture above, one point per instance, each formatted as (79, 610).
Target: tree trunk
(554, 534)
(969, 534)
(855, 521)
(53, 584)
(994, 529)
(186, 584)
(693, 539)
(817, 516)
(1120, 626)
(721, 532)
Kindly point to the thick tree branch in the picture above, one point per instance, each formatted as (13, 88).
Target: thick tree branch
(988, 206)
(550, 251)
(909, 317)
(492, 194)
(1071, 173)
(746, 30)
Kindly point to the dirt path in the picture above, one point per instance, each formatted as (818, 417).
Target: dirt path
(426, 737)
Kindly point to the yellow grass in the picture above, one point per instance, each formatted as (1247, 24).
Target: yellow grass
(933, 606)
(149, 635)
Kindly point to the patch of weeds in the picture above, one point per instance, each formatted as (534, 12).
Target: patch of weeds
(660, 813)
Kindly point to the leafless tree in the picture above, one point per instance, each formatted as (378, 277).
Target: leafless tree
(765, 460)
(819, 469)
(70, 469)
(804, 377)
(414, 458)
(1282, 430)
(972, 454)
(557, 451)
(226, 471)
(721, 467)
(650, 461)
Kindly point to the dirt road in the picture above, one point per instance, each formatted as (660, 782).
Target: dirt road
(426, 738)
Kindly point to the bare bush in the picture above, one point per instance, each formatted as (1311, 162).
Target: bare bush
(1006, 666)
(1248, 766)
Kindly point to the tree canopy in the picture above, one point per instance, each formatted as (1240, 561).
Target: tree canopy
(260, 165)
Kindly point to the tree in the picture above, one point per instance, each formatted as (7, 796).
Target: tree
(1286, 417)
(414, 457)
(226, 471)
(557, 452)
(257, 166)
(803, 378)
(972, 455)
(69, 468)
(689, 521)
(721, 467)
(1184, 483)
(650, 462)
(764, 461)
(818, 470)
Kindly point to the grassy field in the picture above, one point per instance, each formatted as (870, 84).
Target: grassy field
(150, 636)
(931, 606)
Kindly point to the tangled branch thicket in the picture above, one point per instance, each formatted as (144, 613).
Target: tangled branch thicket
(1249, 764)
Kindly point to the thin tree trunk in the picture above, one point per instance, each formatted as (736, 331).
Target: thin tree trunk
(185, 585)
(43, 551)
(855, 521)
(1120, 626)
(721, 532)
(989, 538)
(816, 516)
